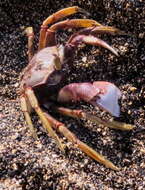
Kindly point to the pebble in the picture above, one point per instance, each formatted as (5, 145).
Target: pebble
(84, 59)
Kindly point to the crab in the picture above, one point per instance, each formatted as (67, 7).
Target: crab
(44, 80)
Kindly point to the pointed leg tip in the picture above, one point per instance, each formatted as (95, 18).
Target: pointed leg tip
(129, 126)
(113, 51)
(83, 11)
(122, 126)
(116, 53)
(115, 168)
(110, 165)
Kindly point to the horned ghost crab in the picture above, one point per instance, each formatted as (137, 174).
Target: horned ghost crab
(43, 79)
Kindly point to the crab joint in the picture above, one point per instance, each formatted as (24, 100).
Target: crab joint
(57, 62)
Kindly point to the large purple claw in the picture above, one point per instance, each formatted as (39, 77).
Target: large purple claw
(101, 93)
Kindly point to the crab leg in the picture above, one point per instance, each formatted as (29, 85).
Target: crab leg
(34, 103)
(30, 34)
(54, 18)
(89, 39)
(100, 29)
(24, 107)
(84, 147)
(89, 36)
(106, 30)
(80, 114)
(73, 23)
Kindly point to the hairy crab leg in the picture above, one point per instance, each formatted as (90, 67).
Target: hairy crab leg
(29, 32)
(34, 103)
(80, 114)
(84, 147)
(54, 18)
(73, 23)
(24, 107)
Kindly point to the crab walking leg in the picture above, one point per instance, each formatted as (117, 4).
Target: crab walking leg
(29, 32)
(92, 40)
(94, 31)
(88, 36)
(73, 23)
(106, 30)
(34, 103)
(54, 18)
(85, 148)
(24, 107)
(81, 114)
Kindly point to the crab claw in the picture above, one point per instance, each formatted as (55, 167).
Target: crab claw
(108, 98)
(102, 94)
